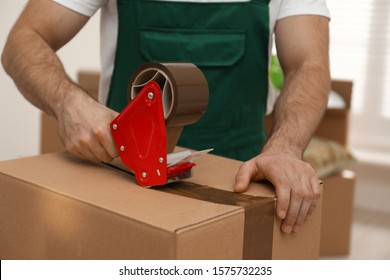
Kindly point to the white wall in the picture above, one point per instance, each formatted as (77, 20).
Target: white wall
(360, 51)
(19, 120)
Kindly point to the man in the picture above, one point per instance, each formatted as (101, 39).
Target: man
(229, 41)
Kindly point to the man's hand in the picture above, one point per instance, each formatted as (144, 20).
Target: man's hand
(296, 184)
(302, 44)
(84, 128)
(30, 58)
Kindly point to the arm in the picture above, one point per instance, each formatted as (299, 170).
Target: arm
(302, 44)
(29, 58)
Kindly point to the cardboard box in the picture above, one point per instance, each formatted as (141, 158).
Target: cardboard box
(337, 214)
(335, 122)
(55, 206)
(50, 140)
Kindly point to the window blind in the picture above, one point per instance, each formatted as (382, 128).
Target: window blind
(359, 51)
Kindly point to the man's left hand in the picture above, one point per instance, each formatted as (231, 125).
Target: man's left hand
(296, 184)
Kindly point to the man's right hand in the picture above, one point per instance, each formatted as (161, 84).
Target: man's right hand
(84, 128)
(30, 58)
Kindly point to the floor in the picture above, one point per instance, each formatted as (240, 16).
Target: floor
(370, 238)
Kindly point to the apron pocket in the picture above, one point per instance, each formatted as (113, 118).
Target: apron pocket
(204, 48)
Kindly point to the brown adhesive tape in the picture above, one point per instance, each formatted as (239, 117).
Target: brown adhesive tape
(259, 215)
(184, 90)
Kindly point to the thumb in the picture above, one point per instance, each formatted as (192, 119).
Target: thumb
(244, 175)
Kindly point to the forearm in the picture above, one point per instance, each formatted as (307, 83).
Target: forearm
(30, 59)
(303, 45)
(37, 71)
(299, 108)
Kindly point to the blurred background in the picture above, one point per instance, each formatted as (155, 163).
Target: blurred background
(360, 52)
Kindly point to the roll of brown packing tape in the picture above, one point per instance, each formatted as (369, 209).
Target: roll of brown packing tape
(185, 94)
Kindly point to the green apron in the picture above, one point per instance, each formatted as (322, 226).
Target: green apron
(227, 41)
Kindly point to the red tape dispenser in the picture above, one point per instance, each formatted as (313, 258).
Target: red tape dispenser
(164, 98)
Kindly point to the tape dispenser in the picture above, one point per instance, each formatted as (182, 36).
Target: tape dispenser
(164, 97)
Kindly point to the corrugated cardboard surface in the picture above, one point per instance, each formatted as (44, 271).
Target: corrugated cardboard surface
(57, 207)
(337, 214)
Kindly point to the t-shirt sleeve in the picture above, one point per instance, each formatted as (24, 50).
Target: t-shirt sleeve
(84, 7)
(303, 7)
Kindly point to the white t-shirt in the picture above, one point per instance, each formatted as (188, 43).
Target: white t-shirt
(278, 9)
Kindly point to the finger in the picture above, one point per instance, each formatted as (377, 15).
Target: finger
(88, 155)
(302, 215)
(102, 155)
(311, 210)
(296, 199)
(78, 150)
(91, 149)
(108, 144)
(283, 193)
(101, 143)
(316, 187)
(292, 213)
(307, 203)
(108, 141)
(244, 176)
